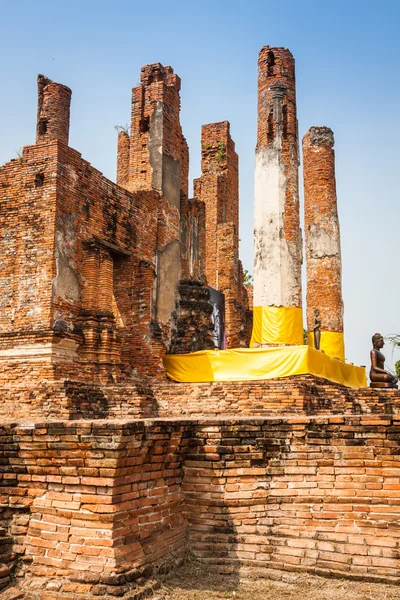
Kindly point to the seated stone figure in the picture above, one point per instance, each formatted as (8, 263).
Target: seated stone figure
(378, 376)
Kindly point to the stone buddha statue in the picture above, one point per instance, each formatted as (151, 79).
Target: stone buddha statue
(317, 329)
(378, 376)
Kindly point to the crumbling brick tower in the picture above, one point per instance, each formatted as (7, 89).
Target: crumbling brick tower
(89, 271)
(30, 272)
(70, 241)
(218, 188)
(277, 234)
(322, 234)
(155, 156)
(53, 112)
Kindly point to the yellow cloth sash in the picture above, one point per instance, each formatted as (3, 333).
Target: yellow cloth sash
(332, 343)
(277, 325)
(261, 363)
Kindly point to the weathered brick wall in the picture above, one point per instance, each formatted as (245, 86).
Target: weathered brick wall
(54, 102)
(88, 283)
(157, 149)
(317, 494)
(27, 214)
(151, 126)
(184, 170)
(250, 296)
(218, 188)
(249, 320)
(27, 239)
(107, 505)
(277, 86)
(193, 239)
(159, 160)
(322, 234)
(7, 562)
(238, 319)
(73, 244)
(140, 399)
(123, 159)
(95, 242)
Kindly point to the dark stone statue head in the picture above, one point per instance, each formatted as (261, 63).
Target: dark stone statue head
(377, 337)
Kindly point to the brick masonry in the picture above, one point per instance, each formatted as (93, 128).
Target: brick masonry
(90, 271)
(317, 494)
(322, 234)
(301, 395)
(156, 143)
(218, 188)
(54, 102)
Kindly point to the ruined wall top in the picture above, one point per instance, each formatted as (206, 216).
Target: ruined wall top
(54, 100)
(277, 63)
(319, 136)
(155, 130)
(156, 73)
(217, 147)
(276, 97)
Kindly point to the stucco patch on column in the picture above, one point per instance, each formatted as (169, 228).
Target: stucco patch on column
(322, 233)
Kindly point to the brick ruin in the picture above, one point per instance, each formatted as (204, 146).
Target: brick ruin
(322, 233)
(99, 280)
(218, 188)
(277, 234)
(90, 506)
(109, 470)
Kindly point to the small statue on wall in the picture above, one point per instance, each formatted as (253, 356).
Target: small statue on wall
(317, 329)
(378, 376)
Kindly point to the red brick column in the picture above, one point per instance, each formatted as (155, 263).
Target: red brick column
(159, 160)
(156, 138)
(277, 250)
(54, 102)
(218, 188)
(123, 159)
(324, 267)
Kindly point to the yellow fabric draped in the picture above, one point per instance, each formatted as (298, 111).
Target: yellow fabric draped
(261, 363)
(277, 325)
(332, 343)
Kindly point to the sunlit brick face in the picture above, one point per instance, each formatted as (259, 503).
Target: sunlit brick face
(322, 234)
(218, 188)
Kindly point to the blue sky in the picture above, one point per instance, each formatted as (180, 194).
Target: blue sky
(347, 55)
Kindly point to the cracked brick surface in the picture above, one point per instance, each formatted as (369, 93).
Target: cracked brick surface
(218, 188)
(322, 233)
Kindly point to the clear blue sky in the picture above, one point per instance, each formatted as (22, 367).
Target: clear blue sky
(347, 66)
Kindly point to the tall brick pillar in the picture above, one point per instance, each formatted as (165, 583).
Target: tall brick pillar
(123, 159)
(277, 234)
(218, 188)
(158, 160)
(54, 102)
(322, 234)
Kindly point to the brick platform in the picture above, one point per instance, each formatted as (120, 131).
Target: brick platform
(107, 500)
(165, 399)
